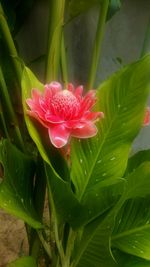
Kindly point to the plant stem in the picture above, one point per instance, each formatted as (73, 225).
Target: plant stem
(54, 223)
(12, 116)
(56, 17)
(10, 44)
(64, 62)
(70, 245)
(97, 44)
(45, 244)
(2, 119)
(39, 199)
(146, 43)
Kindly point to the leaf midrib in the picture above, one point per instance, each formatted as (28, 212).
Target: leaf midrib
(130, 232)
(107, 133)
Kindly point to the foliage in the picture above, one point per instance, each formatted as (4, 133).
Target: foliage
(98, 195)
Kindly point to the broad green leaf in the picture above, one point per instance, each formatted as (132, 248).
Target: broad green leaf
(16, 186)
(95, 246)
(140, 181)
(23, 262)
(132, 231)
(29, 81)
(137, 159)
(127, 260)
(67, 206)
(137, 263)
(132, 228)
(122, 98)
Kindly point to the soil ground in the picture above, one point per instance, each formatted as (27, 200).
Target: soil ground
(13, 241)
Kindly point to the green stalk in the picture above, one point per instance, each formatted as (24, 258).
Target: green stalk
(2, 120)
(70, 245)
(39, 199)
(97, 44)
(54, 225)
(10, 44)
(146, 43)
(64, 62)
(45, 244)
(56, 18)
(12, 116)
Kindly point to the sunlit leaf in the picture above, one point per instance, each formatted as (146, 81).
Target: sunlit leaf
(127, 260)
(16, 186)
(137, 159)
(103, 158)
(94, 248)
(132, 228)
(23, 262)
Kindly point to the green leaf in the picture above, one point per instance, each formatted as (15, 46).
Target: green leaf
(137, 263)
(94, 248)
(114, 6)
(132, 228)
(23, 262)
(16, 186)
(104, 157)
(139, 180)
(127, 260)
(66, 204)
(137, 159)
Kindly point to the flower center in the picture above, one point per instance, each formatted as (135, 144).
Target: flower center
(65, 104)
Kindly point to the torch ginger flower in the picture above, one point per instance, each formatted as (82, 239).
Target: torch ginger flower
(64, 113)
(147, 117)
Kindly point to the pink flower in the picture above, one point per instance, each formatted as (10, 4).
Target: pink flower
(64, 113)
(147, 117)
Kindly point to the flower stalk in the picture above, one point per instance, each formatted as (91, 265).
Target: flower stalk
(64, 62)
(3, 123)
(56, 18)
(97, 44)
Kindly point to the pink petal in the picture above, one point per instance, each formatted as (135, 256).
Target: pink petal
(52, 118)
(50, 90)
(59, 135)
(54, 87)
(147, 117)
(73, 124)
(88, 130)
(78, 92)
(36, 108)
(88, 101)
(70, 87)
(35, 116)
(35, 94)
(93, 115)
